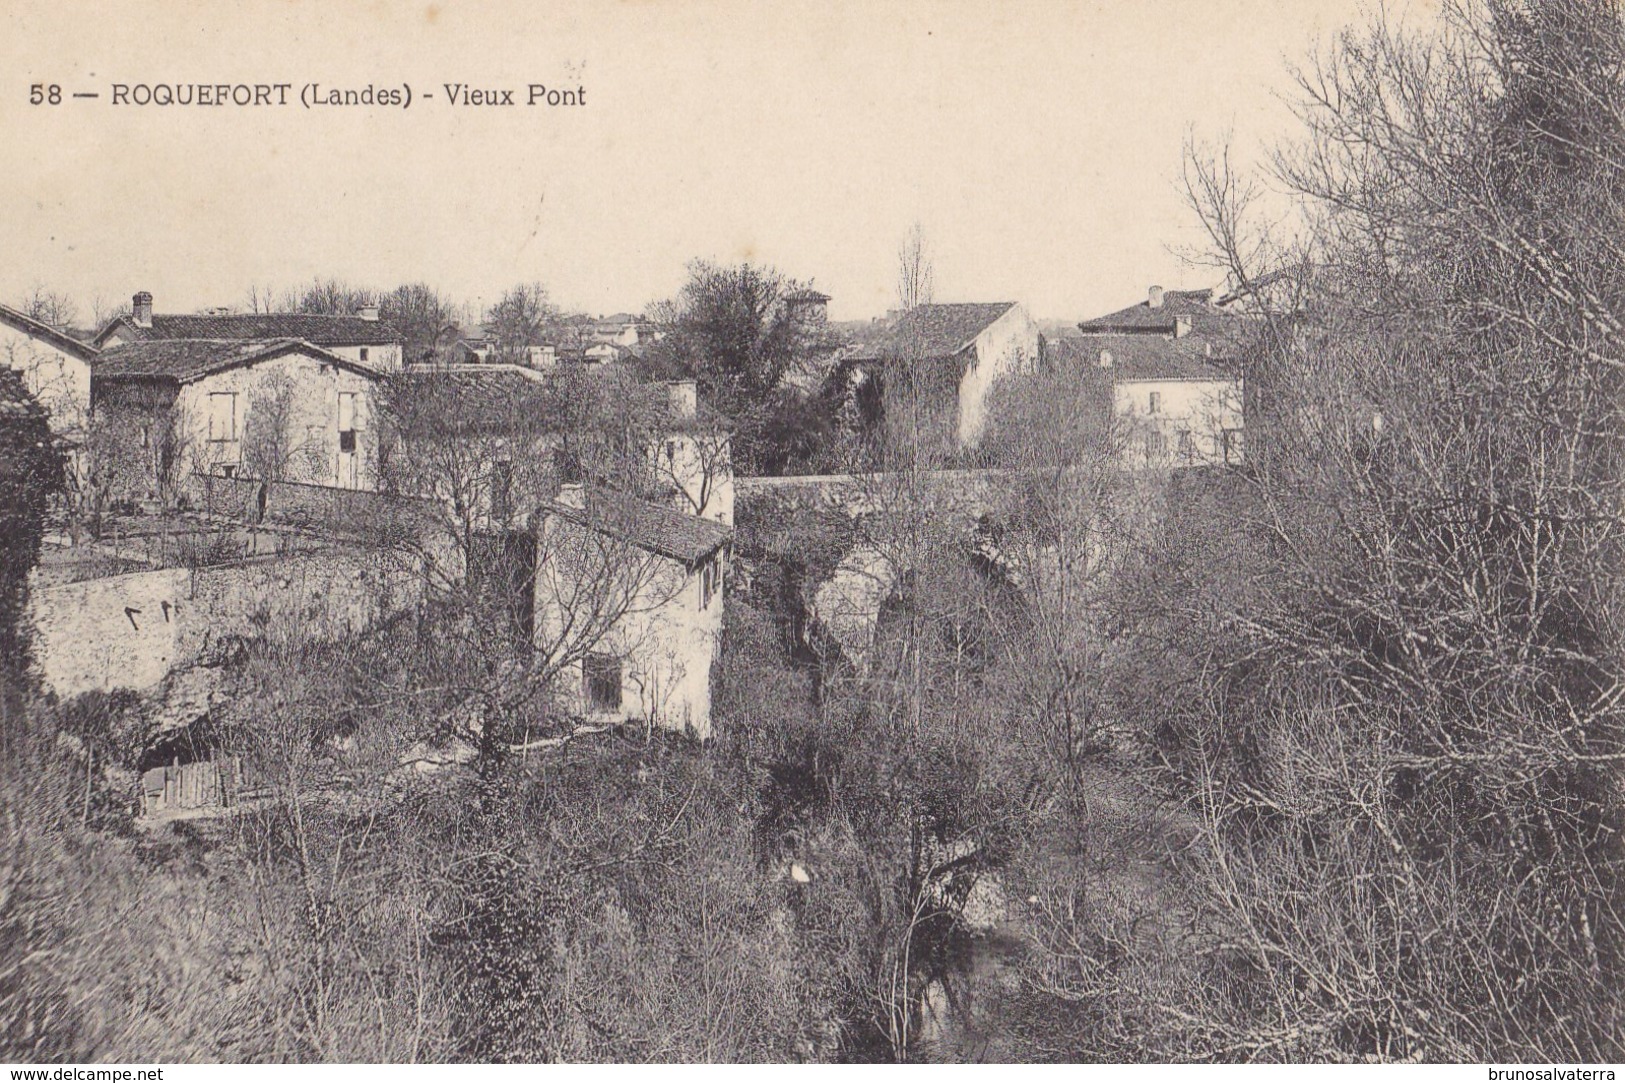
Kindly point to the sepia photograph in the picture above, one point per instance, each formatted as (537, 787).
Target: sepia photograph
(626, 532)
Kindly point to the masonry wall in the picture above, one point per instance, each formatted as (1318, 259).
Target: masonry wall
(664, 632)
(310, 428)
(385, 358)
(59, 380)
(131, 631)
(1206, 409)
(1006, 347)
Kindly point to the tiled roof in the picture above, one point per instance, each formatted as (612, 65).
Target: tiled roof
(660, 530)
(63, 341)
(927, 331)
(478, 398)
(807, 295)
(1196, 304)
(1136, 357)
(321, 330)
(185, 360)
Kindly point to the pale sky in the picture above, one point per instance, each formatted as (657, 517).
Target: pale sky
(1038, 143)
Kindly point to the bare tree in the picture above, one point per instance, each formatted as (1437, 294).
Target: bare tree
(517, 321)
(274, 448)
(50, 306)
(916, 271)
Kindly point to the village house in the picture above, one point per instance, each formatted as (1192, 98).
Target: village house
(508, 449)
(480, 348)
(277, 410)
(55, 369)
(621, 329)
(1170, 403)
(362, 338)
(653, 579)
(692, 466)
(949, 357)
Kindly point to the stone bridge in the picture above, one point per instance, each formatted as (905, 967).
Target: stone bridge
(846, 604)
(973, 492)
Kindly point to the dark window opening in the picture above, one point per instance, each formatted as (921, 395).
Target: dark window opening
(502, 491)
(363, 353)
(710, 580)
(603, 677)
(347, 440)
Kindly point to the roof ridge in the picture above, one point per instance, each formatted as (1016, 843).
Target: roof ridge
(33, 326)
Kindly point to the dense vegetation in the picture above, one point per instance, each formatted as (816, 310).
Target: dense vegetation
(1312, 761)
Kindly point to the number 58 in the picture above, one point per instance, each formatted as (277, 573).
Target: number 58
(40, 94)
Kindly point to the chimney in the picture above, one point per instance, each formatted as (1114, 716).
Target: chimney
(141, 309)
(368, 313)
(1182, 326)
(682, 399)
(1154, 297)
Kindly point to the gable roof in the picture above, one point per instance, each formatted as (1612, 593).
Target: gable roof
(181, 361)
(316, 329)
(1137, 357)
(927, 331)
(28, 325)
(660, 530)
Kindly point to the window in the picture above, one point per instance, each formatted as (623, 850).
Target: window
(222, 415)
(347, 421)
(501, 489)
(602, 675)
(1187, 446)
(710, 581)
(1156, 445)
(1155, 406)
(363, 353)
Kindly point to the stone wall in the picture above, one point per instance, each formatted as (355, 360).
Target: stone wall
(131, 631)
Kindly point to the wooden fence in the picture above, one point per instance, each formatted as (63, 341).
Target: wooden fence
(201, 784)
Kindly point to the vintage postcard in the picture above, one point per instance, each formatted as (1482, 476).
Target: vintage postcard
(906, 531)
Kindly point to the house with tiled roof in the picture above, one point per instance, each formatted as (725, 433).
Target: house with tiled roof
(1170, 401)
(55, 367)
(280, 409)
(1219, 319)
(621, 329)
(660, 574)
(949, 356)
(363, 338)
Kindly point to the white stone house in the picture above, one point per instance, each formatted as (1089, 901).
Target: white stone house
(692, 466)
(1170, 405)
(629, 598)
(362, 338)
(965, 347)
(283, 410)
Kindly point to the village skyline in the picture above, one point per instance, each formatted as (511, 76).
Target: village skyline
(1044, 170)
